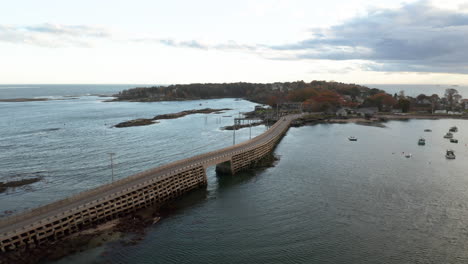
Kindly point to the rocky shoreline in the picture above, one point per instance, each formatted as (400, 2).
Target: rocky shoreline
(150, 121)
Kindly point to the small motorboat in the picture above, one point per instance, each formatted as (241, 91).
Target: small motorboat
(352, 138)
(427, 130)
(421, 142)
(450, 154)
(453, 129)
(409, 155)
(454, 140)
(448, 135)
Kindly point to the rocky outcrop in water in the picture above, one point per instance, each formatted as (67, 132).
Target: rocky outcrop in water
(137, 122)
(13, 184)
(145, 121)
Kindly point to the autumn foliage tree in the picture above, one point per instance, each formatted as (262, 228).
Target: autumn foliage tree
(324, 100)
(383, 101)
(302, 95)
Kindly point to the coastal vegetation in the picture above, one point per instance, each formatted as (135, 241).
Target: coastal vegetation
(315, 96)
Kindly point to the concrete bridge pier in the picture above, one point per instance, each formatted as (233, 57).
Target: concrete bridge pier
(224, 168)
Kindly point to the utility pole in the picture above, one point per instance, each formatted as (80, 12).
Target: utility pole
(250, 130)
(234, 135)
(111, 154)
(277, 112)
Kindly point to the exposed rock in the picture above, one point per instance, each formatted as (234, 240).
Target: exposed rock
(190, 112)
(146, 121)
(137, 122)
(237, 127)
(12, 184)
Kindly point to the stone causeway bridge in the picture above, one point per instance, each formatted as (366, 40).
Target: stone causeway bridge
(153, 187)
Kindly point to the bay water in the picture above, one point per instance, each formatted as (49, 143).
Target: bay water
(327, 200)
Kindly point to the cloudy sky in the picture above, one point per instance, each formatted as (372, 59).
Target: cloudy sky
(163, 42)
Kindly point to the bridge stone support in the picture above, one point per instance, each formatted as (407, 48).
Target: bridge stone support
(248, 159)
(150, 193)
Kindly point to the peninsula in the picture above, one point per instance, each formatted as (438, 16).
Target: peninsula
(335, 98)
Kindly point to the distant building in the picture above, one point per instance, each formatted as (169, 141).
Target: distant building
(342, 112)
(259, 108)
(367, 111)
(290, 106)
(277, 86)
(440, 112)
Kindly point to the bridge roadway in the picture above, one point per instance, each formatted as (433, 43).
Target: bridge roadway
(13, 223)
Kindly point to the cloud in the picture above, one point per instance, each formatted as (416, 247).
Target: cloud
(415, 38)
(51, 35)
(194, 44)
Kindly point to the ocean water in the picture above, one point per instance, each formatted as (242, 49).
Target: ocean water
(58, 90)
(417, 89)
(327, 200)
(67, 142)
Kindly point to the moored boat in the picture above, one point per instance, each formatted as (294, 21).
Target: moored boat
(448, 135)
(453, 129)
(450, 154)
(427, 130)
(421, 142)
(454, 140)
(351, 138)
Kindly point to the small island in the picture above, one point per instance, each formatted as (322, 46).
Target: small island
(154, 120)
(13, 184)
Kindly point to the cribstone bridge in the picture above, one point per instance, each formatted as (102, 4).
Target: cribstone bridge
(152, 187)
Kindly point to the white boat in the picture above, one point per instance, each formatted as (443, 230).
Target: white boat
(427, 130)
(408, 155)
(448, 135)
(352, 138)
(450, 154)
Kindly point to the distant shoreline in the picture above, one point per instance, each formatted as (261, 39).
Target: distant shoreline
(18, 100)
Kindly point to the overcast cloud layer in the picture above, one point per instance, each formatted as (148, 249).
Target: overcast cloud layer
(414, 38)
